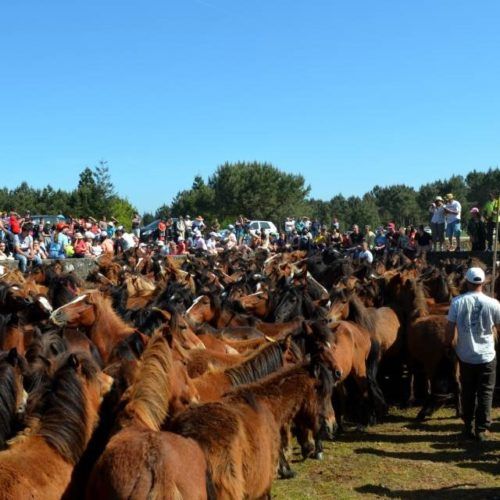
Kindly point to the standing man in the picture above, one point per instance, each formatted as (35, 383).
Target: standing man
(136, 225)
(453, 212)
(491, 214)
(475, 316)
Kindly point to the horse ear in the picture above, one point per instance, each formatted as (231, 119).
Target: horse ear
(13, 357)
(73, 361)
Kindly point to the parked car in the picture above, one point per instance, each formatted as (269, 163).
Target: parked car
(262, 225)
(48, 219)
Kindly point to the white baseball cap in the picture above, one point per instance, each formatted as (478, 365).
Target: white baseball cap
(475, 275)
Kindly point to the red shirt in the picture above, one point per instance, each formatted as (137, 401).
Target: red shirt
(14, 225)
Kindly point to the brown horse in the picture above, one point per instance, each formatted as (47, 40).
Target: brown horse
(427, 345)
(353, 359)
(94, 312)
(140, 461)
(39, 464)
(268, 359)
(241, 434)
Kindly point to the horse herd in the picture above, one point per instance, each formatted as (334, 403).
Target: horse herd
(190, 379)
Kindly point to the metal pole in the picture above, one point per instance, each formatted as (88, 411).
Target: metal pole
(495, 249)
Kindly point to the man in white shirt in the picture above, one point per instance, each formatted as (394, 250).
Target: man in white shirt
(453, 213)
(475, 316)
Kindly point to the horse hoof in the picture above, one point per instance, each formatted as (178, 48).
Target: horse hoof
(319, 455)
(421, 416)
(287, 474)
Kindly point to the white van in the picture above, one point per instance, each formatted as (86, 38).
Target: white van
(262, 225)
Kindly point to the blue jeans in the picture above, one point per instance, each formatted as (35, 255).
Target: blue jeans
(23, 262)
(453, 229)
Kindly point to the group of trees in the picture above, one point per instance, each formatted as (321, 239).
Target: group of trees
(257, 191)
(94, 196)
(261, 191)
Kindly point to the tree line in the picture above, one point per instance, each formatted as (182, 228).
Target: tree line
(262, 191)
(94, 196)
(257, 191)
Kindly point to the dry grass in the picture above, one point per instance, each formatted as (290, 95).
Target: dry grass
(401, 459)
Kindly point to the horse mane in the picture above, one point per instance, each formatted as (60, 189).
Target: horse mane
(265, 361)
(8, 393)
(61, 407)
(152, 387)
(360, 314)
(270, 386)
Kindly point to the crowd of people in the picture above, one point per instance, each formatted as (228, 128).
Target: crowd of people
(31, 241)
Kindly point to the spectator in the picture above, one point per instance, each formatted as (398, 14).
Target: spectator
(423, 239)
(15, 223)
(355, 237)
(212, 243)
(369, 237)
(136, 225)
(380, 242)
(315, 228)
(199, 242)
(453, 211)
(23, 248)
(107, 246)
(39, 252)
(181, 246)
(475, 316)
(289, 226)
(189, 226)
(59, 242)
(437, 223)
(365, 255)
(476, 228)
(80, 246)
(4, 252)
(492, 215)
(198, 223)
(231, 238)
(181, 228)
(336, 224)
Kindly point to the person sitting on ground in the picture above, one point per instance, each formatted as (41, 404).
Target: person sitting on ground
(474, 316)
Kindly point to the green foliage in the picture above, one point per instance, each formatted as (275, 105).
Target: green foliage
(122, 210)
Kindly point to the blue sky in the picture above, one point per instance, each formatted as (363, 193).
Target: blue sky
(350, 94)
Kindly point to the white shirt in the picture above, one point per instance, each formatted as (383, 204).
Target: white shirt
(128, 241)
(437, 214)
(289, 226)
(475, 315)
(455, 206)
(200, 244)
(366, 255)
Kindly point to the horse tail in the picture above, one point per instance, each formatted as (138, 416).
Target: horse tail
(211, 493)
(376, 395)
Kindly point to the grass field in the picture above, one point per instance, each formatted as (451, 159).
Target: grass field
(401, 459)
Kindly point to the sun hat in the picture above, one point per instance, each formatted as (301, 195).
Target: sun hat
(438, 198)
(475, 275)
(89, 234)
(449, 196)
(78, 236)
(474, 210)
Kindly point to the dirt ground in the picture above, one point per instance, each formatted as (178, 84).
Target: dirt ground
(401, 459)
